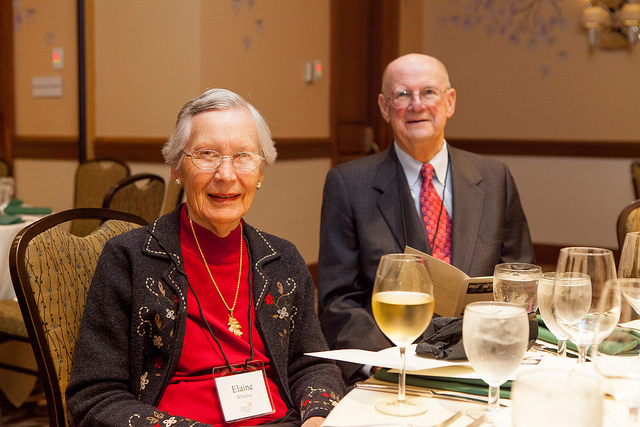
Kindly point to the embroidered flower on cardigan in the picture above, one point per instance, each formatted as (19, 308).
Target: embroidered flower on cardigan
(157, 341)
(318, 399)
(283, 312)
(268, 299)
(144, 381)
(171, 314)
(171, 421)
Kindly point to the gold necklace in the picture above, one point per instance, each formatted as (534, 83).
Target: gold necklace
(234, 325)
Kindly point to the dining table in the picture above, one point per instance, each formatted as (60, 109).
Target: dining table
(446, 406)
(17, 387)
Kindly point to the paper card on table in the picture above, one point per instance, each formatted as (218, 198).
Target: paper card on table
(453, 289)
(387, 358)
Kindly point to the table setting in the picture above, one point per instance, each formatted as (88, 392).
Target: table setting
(548, 350)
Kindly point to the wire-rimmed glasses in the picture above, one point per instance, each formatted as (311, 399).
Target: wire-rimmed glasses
(429, 95)
(209, 160)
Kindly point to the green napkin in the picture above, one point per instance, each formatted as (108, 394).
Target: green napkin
(621, 341)
(15, 208)
(10, 219)
(463, 385)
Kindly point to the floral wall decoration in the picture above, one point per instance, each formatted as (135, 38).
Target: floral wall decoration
(531, 24)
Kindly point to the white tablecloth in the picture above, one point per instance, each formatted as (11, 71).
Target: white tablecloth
(7, 234)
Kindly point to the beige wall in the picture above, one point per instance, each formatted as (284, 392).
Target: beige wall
(553, 91)
(151, 56)
(163, 52)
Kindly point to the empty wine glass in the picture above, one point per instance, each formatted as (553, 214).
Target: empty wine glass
(545, 295)
(629, 265)
(517, 283)
(616, 357)
(6, 192)
(495, 337)
(402, 303)
(581, 274)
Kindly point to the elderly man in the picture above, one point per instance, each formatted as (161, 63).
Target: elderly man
(420, 192)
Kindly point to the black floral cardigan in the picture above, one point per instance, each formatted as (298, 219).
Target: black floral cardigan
(135, 318)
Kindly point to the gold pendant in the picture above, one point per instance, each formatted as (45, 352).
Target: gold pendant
(234, 326)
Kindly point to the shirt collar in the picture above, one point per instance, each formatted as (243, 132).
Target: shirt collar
(412, 167)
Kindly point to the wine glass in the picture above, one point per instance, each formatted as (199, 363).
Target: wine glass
(6, 192)
(402, 305)
(629, 265)
(495, 337)
(615, 357)
(545, 295)
(580, 277)
(517, 283)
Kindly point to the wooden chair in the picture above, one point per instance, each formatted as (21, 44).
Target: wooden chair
(141, 194)
(635, 177)
(628, 220)
(173, 197)
(51, 270)
(94, 179)
(5, 168)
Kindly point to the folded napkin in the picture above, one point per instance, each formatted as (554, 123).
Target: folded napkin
(10, 219)
(443, 338)
(463, 385)
(15, 208)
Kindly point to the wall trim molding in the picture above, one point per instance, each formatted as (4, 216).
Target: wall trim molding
(548, 148)
(148, 149)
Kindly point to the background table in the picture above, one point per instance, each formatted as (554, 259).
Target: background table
(7, 234)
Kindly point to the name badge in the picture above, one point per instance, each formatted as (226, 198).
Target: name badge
(243, 395)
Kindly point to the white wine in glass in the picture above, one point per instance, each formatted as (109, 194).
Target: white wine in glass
(402, 303)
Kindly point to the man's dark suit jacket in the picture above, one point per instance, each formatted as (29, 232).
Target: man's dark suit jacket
(367, 211)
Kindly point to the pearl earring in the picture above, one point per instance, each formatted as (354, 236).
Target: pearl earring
(259, 185)
(178, 182)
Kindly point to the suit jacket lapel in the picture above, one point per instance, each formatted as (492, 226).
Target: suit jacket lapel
(467, 207)
(396, 205)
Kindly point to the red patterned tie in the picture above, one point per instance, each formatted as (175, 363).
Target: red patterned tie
(432, 211)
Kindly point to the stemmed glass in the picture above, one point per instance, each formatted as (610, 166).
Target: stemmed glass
(615, 357)
(402, 304)
(495, 337)
(545, 295)
(580, 277)
(6, 192)
(629, 265)
(517, 283)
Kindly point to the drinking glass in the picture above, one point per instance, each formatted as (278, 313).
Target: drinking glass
(402, 304)
(6, 192)
(616, 357)
(545, 295)
(495, 337)
(557, 397)
(517, 283)
(629, 265)
(581, 274)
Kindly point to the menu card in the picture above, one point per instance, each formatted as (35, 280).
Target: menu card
(453, 289)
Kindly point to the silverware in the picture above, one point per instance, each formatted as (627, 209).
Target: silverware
(422, 393)
(449, 420)
(478, 422)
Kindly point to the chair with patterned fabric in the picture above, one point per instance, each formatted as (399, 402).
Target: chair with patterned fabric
(51, 270)
(94, 179)
(635, 177)
(628, 220)
(141, 194)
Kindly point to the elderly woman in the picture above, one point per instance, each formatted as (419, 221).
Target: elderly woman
(199, 318)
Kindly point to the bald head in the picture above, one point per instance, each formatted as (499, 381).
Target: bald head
(412, 61)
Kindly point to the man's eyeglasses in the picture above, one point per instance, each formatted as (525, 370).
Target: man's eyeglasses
(428, 96)
(209, 160)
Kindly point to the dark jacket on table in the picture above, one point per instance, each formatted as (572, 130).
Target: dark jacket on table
(134, 323)
(367, 211)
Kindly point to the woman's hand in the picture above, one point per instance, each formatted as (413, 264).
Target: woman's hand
(313, 422)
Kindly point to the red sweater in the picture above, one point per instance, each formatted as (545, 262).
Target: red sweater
(191, 392)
